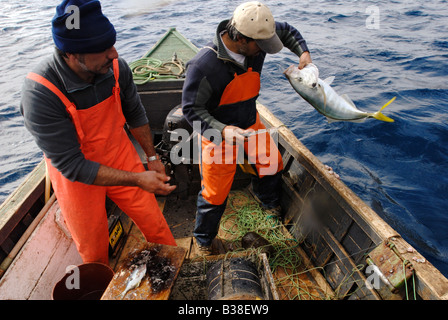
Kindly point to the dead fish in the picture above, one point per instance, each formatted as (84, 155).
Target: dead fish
(134, 279)
(254, 240)
(325, 100)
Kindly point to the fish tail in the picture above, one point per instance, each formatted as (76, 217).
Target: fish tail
(379, 116)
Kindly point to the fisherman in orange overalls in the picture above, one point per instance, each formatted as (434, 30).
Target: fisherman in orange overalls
(220, 92)
(76, 105)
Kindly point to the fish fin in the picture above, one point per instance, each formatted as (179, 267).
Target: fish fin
(347, 98)
(379, 116)
(329, 80)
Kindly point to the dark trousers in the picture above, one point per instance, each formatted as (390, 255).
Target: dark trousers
(208, 216)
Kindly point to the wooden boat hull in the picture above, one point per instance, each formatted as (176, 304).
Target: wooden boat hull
(347, 229)
(334, 232)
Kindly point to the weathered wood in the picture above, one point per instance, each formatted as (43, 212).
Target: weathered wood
(40, 263)
(356, 243)
(431, 284)
(350, 272)
(17, 205)
(267, 278)
(350, 227)
(298, 287)
(185, 243)
(25, 236)
(326, 291)
(294, 204)
(305, 282)
(150, 288)
(55, 270)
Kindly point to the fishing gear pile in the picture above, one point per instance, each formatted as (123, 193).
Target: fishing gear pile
(148, 69)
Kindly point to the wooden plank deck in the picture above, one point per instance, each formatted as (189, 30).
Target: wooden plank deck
(41, 262)
(164, 263)
(301, 281)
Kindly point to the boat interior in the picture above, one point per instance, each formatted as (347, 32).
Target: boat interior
(327, 245)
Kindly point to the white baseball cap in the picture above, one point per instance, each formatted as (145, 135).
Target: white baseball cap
(254, 20)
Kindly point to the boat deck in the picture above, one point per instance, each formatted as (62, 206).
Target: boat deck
(294, 276)
(320, 253)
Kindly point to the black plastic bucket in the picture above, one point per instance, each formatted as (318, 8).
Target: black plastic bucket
(84, 282)
(234, 279)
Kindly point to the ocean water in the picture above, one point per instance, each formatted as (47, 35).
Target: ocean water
(375, 49)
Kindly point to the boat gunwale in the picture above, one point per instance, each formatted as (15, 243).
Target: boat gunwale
(18, 203)
(430, 283)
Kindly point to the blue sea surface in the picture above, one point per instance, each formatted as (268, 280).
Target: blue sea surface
(375, 49)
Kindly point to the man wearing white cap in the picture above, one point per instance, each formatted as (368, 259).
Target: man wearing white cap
(220, 92)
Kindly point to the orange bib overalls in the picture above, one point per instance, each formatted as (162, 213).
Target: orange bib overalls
(102, 137)
(218, 168)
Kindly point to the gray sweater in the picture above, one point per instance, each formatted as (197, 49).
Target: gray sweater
(45, 115)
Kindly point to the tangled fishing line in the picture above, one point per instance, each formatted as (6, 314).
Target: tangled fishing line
(246, 215)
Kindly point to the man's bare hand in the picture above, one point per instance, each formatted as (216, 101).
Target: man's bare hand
(305, 59)
(156, 165)
(151, 181)
(155, 182)
(234, 135)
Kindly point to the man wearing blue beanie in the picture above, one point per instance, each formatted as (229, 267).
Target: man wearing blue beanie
(94, 33)
(75, 104)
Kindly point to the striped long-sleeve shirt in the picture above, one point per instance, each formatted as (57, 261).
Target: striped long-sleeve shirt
(212, 69)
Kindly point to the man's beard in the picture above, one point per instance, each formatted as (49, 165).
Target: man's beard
(83, 66)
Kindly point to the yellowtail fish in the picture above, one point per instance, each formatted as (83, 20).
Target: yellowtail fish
(325, 100)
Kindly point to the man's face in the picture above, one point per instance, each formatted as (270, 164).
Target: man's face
(248, 48)
(97, 63)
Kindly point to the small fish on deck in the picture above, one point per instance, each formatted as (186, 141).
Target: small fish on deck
(134, 279)
(324, 99)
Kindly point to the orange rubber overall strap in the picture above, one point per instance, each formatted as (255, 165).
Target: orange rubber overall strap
(242, 88)
(70, 106)
(116, 88)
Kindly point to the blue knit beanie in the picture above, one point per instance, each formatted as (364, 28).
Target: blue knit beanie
(83, 29)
